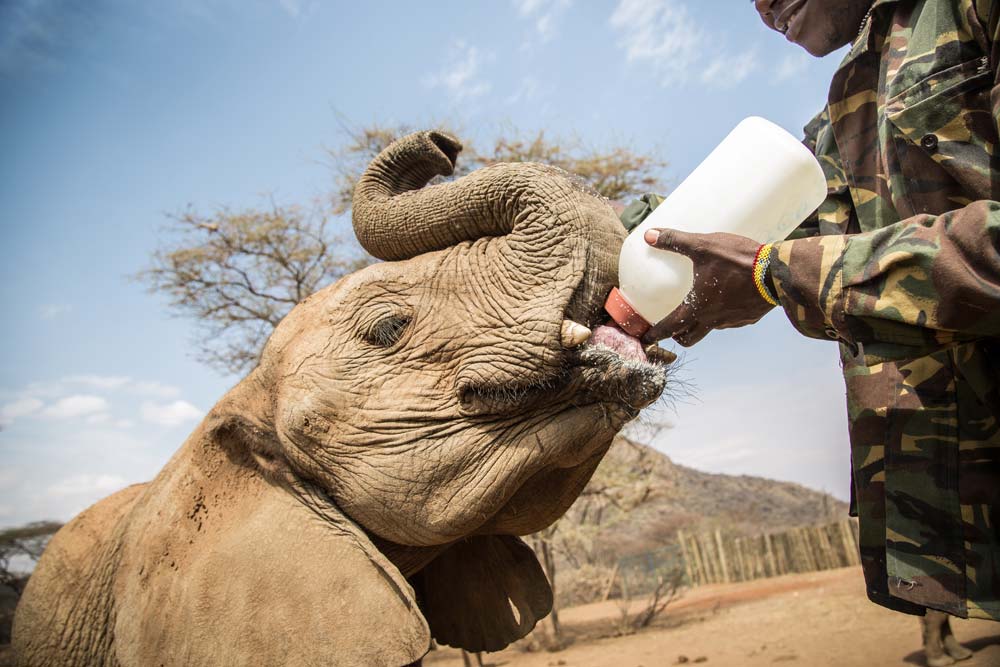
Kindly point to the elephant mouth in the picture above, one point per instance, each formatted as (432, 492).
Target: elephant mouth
(627, 346)
(615, 364)
(605, 365)
(612, 366)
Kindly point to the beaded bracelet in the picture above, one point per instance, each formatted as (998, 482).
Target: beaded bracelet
(760, 263)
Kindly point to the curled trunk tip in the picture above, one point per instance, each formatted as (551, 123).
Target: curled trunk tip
(405, 165)
(448, 145)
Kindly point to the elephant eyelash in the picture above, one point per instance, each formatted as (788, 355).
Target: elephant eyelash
(387, 331)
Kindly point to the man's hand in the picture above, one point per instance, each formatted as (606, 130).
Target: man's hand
(723, 295)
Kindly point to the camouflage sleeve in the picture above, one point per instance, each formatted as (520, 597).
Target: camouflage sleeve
(633, 214)
(993, 29)
(902, 291)
(835, 214)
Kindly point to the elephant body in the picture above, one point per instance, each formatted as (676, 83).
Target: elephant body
(209, 564)
(363, 489)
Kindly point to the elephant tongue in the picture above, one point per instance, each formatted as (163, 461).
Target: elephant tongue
(615, 339)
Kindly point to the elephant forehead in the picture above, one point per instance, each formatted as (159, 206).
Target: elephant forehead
(487, 263)
(406, 271)
(448, 297)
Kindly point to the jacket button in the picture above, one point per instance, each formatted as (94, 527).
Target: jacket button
(929, 141)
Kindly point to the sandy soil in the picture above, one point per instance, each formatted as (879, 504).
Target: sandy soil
(820, 619)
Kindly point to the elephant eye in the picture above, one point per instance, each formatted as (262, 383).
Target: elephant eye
(386, 331)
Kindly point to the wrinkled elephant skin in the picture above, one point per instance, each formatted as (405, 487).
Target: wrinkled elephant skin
(363, 488)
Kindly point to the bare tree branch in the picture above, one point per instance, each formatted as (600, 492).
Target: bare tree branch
(238, 273)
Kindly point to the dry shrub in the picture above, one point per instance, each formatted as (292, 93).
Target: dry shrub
(586, 584)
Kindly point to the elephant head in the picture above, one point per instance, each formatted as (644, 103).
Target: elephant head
(403, 427)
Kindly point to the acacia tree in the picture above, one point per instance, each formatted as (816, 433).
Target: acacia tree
(24, 542)
(237, 272)
(616, 173)
(27, 541)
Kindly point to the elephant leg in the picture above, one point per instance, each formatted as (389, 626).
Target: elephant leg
(951, 645)
(933, 646)
(467, 660)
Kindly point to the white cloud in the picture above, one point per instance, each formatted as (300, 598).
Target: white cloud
(66, 385)
(732, 452)
(96, 486)
(101, 383)
(98, 381)
(526, 91)
(528, 7)
(661, 32)
(37, 390)
(791, 66)
(169, 414)
(544, 15)
(157, 389)
(66, 401)
(50, 311)
(19, 408)
(461, 76)
(292, 7)
(297, 9)
(31, 32)
(77, 405)
(9, 478)
(665, 36)
(730, 70)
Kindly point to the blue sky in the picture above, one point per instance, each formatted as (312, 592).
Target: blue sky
(117, 114)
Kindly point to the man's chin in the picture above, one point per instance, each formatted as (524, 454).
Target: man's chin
(817, 50)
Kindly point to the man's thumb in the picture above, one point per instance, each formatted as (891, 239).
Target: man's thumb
(668, 239)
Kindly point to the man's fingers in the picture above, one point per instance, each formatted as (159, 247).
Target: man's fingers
(672, 240)
(689, 338)
(679, 320)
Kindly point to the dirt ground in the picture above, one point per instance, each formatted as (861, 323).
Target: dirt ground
(820, 619)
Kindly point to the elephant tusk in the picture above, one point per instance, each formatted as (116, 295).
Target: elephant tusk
(573, 334)
(658, 354)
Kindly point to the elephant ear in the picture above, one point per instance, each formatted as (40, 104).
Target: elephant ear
(483, 593)
(225, 567)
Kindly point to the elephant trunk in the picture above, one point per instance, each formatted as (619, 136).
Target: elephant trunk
(396, 218)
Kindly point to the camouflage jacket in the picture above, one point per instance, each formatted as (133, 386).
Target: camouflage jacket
(901, 264)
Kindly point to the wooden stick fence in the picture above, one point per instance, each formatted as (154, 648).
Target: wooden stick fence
(712, 558)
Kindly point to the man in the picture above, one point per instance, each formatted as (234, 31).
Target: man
(901, 265)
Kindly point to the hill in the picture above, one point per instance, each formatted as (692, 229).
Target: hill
(639, 499)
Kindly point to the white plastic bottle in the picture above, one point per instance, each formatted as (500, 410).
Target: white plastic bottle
(760, 182)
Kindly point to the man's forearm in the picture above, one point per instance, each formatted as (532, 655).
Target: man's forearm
(902, 291)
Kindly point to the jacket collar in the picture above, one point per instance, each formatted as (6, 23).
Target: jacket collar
(863, 41)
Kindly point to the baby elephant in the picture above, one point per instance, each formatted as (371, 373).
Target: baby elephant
(940, 646)
(363, 489)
